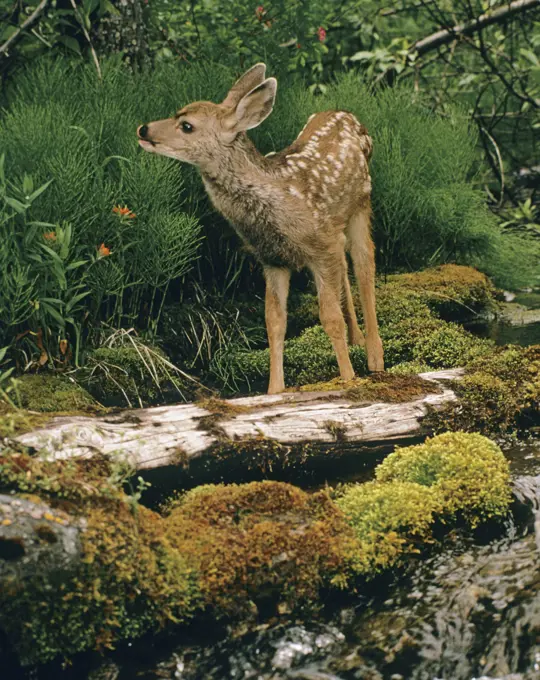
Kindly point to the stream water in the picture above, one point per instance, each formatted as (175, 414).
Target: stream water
(470, 612)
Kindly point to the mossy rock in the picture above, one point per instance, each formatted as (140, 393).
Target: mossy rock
(453, 291)
(49, 392)
(467, 472)
(390, 521)
(133, 376)
(233, 550)
(500, 392)
(261, 542)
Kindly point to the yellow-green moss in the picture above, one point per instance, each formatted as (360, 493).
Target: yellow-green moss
(49, 392)
(227, 549)
(15, 421)
(390, 521)
(410, 330)
(452, 290)
(467, 472)
(129, 579)
(501, 391)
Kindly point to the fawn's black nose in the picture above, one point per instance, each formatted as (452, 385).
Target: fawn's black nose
(142, 131)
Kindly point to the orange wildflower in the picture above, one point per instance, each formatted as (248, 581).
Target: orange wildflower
(103, 251)
(124, 211)
(49, 236)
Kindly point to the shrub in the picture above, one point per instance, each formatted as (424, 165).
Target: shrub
(468, 474)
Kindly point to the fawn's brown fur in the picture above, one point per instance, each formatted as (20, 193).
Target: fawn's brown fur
(301, 207)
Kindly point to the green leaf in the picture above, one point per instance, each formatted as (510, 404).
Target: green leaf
(75, 265)
(3, 351)
(70, 43)
(361, 56)
(16, 205)
(28, 185)
(75, 299)
(531, 56)
(49, 309)
(53, 301)
(39, 191)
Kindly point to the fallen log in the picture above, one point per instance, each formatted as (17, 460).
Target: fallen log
(178, 435)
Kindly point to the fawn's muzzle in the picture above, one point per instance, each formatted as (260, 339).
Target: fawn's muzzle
(142, 131)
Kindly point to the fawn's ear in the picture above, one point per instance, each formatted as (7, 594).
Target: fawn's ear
(245, 84)
(254, 107)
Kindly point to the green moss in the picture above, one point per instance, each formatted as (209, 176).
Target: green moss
(228, 550)
(410, 368)
(129, 579)
(449, 346)
(408, 306)
(132, 376)
(260, 542)
(15, 421)
(453, 291)
(467, 472)
(500, 392)
(48, 392)
(391, 521)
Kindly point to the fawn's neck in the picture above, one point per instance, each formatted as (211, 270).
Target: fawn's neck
(239, 167)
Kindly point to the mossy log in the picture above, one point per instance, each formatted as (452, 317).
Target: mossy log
(383, 411)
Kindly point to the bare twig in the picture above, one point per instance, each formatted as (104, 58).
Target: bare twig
(447, 35)
(19, 33)
(87, 36)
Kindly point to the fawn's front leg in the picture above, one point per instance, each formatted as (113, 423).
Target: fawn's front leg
(277, 290)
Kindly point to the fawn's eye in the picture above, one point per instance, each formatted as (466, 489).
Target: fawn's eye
(187, 127)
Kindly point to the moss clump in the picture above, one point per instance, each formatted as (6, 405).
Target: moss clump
(450, 346)
(132, 375)
(260, 542)
(467, 472)
(386, 387)
(500, 392)
(237, 549)
(390, 521)
(15, 421)
(48, 392)
(411, 330)
(453, 291)
(129, 579)
(409, 368)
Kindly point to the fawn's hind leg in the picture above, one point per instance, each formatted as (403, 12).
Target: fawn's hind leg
(363, 256)
(277, 290)
(355, 335)
(329, 281)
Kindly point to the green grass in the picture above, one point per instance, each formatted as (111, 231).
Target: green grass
(62, 124)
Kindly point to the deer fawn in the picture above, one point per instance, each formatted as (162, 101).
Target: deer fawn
(301, 207)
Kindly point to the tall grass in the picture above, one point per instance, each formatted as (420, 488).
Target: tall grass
(61, 123)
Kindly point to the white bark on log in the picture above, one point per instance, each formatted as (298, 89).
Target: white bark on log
(167, 435)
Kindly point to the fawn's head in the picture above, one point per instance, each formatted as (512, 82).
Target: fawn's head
(199, 130)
